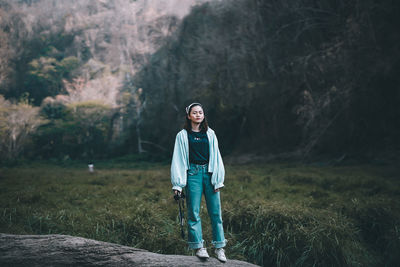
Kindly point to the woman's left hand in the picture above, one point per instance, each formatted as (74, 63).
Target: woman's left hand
(216, 190)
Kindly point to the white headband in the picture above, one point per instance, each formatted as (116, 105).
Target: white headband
(188, 107)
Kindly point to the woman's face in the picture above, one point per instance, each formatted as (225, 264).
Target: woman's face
(196, 114)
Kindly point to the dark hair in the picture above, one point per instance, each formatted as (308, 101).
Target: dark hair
(188, 125)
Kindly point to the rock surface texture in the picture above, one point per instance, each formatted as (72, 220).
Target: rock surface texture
(64, 250)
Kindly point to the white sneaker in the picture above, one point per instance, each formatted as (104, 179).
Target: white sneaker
(220, 252)
(202, 253)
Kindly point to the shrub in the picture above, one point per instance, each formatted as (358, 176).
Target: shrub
(276, 234)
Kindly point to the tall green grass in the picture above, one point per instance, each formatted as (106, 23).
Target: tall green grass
(274, 214)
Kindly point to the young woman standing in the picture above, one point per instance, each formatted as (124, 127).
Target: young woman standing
(197, 166)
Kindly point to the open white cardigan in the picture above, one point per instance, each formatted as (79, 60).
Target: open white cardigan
(180, 161)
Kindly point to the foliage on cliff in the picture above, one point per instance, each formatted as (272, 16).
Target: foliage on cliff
(300, 78)
(278, 76)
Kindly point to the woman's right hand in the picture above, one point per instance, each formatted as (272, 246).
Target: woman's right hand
(176, 192)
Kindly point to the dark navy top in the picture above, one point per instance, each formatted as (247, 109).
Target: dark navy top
(199, 150)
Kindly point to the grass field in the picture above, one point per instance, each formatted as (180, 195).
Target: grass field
(274, 214)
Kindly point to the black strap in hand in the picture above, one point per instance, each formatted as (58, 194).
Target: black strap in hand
(181, 203)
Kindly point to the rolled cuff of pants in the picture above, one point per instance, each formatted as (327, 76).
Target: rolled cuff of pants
(195, 245)
(219, 244)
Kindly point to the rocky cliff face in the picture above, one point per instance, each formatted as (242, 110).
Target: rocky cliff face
(112, 38)
(311, 70)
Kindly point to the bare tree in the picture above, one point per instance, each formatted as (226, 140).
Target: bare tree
(17, 122)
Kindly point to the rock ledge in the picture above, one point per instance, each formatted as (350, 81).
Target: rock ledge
(64, 250)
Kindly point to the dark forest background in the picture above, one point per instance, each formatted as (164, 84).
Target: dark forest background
(278, 79)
